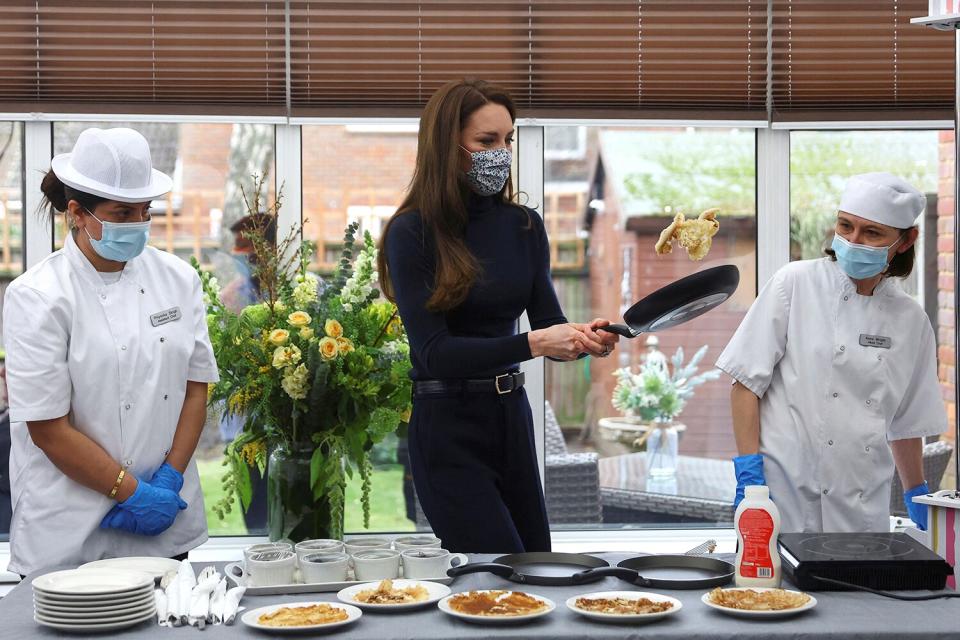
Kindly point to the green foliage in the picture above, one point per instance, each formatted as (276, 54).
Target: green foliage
(326, 370)
(656, 394)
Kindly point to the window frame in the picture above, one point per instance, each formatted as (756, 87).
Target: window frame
(773, 219)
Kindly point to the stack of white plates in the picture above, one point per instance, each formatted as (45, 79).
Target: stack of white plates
(93, 599)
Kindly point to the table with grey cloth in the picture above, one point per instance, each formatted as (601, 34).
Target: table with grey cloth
(842, 615)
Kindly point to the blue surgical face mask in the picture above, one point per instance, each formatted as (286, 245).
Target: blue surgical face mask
(120, 241)
(489, 170)
(860, 261)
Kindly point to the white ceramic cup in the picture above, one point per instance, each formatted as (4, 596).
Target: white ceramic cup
(271, 568)
(426, 563)
(416, 542)
(376, 564)
(264, 547)
(324, 566)
(308, 547)
(356, 545)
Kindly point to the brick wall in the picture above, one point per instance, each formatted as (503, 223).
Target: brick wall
(947, 315)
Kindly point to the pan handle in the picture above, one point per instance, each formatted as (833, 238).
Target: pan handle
(629, 575)
(619, 329)
(502, 570)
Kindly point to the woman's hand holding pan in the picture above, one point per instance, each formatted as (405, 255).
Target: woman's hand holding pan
(564, 342)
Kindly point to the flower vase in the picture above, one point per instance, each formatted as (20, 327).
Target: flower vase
(292, 511)
(662, 450)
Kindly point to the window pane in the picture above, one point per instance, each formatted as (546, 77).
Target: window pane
(209, 163)
(604, 212)
(358, 173)
(820, 163)
(11, 265)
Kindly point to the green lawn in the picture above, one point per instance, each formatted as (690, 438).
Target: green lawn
(387, 512)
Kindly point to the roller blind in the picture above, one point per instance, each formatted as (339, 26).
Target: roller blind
(619, 58)
(132, 56)
(859, 59)
(626, 57)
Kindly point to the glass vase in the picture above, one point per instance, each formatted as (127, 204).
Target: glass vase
(292, 511)
(662, 450)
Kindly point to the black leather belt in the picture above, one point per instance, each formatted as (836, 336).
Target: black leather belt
(504, 383)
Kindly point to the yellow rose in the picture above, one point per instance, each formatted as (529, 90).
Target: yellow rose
(345, 345)
(333, 328)
(298, 319)
(285, 356)
(328, 348)
(279, 337)
(306, 333)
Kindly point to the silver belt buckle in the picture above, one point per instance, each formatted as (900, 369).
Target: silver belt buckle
(496, 382)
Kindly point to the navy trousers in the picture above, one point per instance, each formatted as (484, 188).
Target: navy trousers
(474, 466)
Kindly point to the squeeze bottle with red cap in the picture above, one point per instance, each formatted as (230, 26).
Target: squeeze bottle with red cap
(757, 523)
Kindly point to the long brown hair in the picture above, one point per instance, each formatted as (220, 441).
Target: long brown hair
(439, 191)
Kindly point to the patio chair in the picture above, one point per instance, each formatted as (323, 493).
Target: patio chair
(936, 455)
(572, 481)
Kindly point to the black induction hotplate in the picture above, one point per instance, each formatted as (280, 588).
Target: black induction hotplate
(887, 561)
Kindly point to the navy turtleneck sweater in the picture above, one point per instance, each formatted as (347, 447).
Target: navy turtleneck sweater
(478, 338)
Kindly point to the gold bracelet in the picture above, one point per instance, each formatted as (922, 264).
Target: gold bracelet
(116, 485)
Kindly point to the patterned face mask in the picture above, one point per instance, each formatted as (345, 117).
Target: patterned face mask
(490, 170)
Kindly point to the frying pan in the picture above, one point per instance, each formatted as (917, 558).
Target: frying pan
(679, 301)
(550, 569)
(665, 572)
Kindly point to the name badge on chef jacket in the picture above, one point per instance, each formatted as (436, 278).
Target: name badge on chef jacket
(170, 315)
(880, 342)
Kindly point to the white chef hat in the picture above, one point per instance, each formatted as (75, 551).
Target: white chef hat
(113, 164)
(884, 198)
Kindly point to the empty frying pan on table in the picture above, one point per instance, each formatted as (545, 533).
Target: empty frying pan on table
(679, 301)
(550, 569)
(665, 572)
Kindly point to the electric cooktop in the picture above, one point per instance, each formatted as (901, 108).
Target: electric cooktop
(888, 561)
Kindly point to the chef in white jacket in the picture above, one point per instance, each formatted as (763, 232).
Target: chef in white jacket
(108, 362)
(835, 372)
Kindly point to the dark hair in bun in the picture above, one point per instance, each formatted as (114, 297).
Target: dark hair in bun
(57, 195)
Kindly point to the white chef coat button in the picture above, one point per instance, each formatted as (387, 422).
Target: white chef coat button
(845, 298)
(830, 442)
(128, 463)
(879, 357)
(826, 491)
(142, 291)
(123, 347)
(842, 348)
(127, 407)
(103, 296)
(166, 453)
(866, 448)
(164, 396)
(868, 402)
(860, 495)
(835, 395)
(163, 339)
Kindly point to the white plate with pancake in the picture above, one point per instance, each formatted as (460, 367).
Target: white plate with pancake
(252, 618)
(625, 617)
(434, 592)
(761, 613)
(447, 607)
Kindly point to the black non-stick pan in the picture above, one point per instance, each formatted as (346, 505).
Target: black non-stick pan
(538, 568)
(665, 572)
(679, 301)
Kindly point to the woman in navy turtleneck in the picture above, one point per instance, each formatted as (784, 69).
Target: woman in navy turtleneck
(463, 262)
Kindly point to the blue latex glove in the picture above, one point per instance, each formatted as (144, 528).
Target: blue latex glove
(166, 477)
(918, 512)
(749, 470)
(148, 512)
